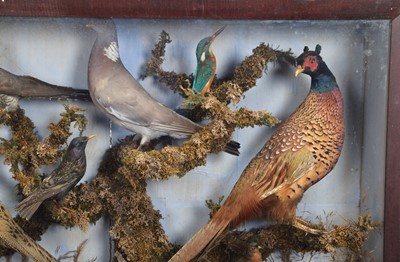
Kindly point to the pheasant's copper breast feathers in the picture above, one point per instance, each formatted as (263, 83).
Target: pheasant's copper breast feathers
(312, 137)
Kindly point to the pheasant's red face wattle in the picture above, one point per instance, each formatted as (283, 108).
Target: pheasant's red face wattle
(311, 62)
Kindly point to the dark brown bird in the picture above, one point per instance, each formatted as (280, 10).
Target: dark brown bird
(12, 236)
(13, 87)
(61, 180)
(301, 152)
(122, 99)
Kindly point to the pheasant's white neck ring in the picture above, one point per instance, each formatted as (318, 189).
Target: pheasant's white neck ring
(112, 52)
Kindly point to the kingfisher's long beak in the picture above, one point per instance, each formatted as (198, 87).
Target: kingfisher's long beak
(91, 136)
(217, 33)
(299, 70)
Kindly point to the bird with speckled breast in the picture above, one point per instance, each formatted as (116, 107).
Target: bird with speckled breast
(117, 94)
(206, 64)
(12, 236)
(71, 169)
(303, 150)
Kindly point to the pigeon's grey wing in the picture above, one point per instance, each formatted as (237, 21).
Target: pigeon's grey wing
(173, 123)
(129, 102)
(151, 114)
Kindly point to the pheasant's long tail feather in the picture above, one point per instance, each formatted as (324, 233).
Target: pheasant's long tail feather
(200, 241)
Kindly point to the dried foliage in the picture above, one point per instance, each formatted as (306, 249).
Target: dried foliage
(236, 245)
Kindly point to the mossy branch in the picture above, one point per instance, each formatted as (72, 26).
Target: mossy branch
(136, 228)
(153, 67)
(235, 245)
(18, 151)
(178, 161)
(24, 148)
(245, 75)
(21, 152)
(169, 161)
(48, 151)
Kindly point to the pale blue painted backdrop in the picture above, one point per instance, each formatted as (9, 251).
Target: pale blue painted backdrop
(57, 51)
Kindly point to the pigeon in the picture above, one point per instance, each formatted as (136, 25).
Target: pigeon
(122, 99)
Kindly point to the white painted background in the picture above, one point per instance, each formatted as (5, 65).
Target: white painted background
(57, 51)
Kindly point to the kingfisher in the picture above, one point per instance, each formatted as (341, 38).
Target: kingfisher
(206, 64)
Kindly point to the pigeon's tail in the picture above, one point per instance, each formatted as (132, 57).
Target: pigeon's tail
(232, 148)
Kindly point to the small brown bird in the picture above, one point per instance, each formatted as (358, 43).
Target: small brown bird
(12, 236)
(61, 180)
(301, 152)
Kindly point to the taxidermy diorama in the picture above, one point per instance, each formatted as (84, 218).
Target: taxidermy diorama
(303, 149)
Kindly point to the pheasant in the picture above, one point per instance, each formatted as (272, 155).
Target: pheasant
(12, 236)
(301, 152)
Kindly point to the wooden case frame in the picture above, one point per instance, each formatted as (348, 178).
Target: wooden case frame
(266, 10)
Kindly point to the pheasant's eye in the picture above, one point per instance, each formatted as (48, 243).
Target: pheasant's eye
(311, 60)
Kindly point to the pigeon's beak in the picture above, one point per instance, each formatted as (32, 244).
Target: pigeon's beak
(217, 33)
(90, 137)
(299, 70)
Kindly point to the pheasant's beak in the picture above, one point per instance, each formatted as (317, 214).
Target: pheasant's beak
(299, 70)
(91, 136)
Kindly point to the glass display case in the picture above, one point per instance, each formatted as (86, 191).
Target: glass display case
(361, 46)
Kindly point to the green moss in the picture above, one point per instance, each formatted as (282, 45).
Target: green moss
(275, 238)
(26, 154)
